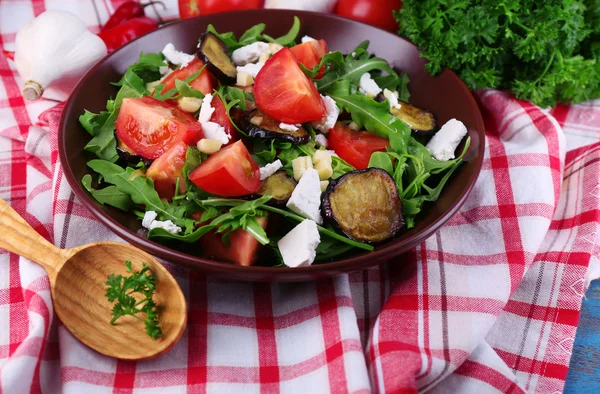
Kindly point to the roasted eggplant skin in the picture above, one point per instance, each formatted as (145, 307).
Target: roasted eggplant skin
(421, 122)
(213, 52)
(279, 186)
(127, 156)
(257, 124)
(365, 205)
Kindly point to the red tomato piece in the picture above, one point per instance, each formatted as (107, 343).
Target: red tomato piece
(283, 92)
(242, 249)
(165, 171)
(150, 127)
(231, 172)
(220, 117)
(355, 147)
(377, 13)
(310, 54)
(204, 82)
(192, 8)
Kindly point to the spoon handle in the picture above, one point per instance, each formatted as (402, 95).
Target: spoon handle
(17, 236)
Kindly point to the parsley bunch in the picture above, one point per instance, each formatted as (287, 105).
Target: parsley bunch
(122, 290)
(544, 51)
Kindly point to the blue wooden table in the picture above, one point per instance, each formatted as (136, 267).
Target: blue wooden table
(584, 372)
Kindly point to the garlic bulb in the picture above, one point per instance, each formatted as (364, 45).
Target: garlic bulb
(53, 51)
(307, 5)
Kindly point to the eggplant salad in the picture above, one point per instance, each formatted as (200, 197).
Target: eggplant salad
(268, 151)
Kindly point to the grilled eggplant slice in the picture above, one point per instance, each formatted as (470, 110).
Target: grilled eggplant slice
(365, 205)
(420, 121)
(213, 52)
(279, 186)
(129, 156)
(260, 125)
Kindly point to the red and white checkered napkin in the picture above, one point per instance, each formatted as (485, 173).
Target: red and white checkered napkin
(488, 304)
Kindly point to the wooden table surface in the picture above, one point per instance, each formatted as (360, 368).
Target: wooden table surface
(584, 371)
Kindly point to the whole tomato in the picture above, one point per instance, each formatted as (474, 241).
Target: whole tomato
(192, 8)
(374, 12)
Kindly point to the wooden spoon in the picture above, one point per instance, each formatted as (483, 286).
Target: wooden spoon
(77, 279)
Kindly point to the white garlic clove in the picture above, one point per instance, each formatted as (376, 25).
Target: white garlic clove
(53, 51)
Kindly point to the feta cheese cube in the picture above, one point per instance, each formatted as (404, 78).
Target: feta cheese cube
(299, 247)
(306, 197)
(331, 116)
(307, 39)
(244, 79)
(324, 169)
(149, 221)
(176, 57)
(215, 131)
(300, 165)
(368, 86)
(392, 97)
(209, 146)
(321, 140)
(251, 69)
(443, 144)
(249, 53)
(270, 169)
(206, 111)
(149, 217)
(288, 127)
(321, 156)
(164, 70)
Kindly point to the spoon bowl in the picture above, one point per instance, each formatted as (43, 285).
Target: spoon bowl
(77, 280)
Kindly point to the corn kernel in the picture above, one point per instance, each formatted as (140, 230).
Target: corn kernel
(321, 156)
(264, 57)
(300, 165)
(256, 120)
(209, 146)
(244, 79)
(324, 169)
(274, 48)
(324, 185)
(190, 104)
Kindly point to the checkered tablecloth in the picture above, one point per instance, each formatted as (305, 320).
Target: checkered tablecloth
(490, 303)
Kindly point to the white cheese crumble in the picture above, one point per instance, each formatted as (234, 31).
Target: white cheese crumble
(443, 144)
(206, 110)
(306, 197)
(392, 97)
(164, 70)
(251, 68)
(249, 53)
(332, 153)
(368, 86)
(270, 169)
(307, 39)
(176, 57)
(288, 127)
(321, 140)
(211, 130)
(331, 116)
(149, 221)
(299, 247)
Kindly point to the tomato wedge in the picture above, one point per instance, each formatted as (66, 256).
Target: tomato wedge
(230, 172)
(243, 247)
(310, 54)
(165, 171)
(355, 147)
(220, 117)
(283, 92)
(204, 82)
(150, 127)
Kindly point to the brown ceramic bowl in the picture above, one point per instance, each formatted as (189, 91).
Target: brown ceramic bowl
(445, 95)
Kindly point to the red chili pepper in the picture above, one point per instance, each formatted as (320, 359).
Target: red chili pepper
(9, 54)
(128, 31)
(127, 11)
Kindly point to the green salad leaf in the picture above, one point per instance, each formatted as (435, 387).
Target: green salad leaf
(110, 195)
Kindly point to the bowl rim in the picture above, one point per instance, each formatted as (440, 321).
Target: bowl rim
(223, 268)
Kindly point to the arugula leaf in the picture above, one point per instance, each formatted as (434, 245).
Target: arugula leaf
(110, 195)
(340, 167)
(253, 34)
(181, 89)
(395, 83)
(92, 122)
(381, 160)
(185, 90)
(289, 38)
(231, 94)
(146, 68)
